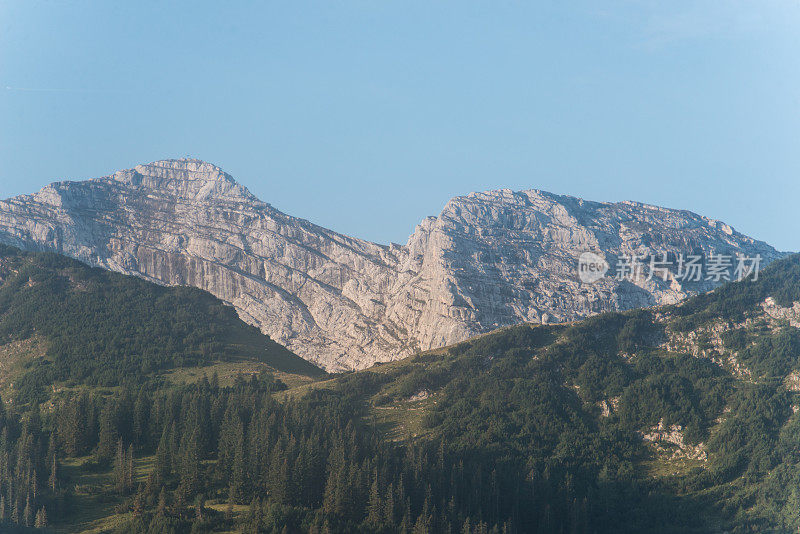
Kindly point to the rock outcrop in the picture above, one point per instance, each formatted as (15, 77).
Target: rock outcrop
(488, 260)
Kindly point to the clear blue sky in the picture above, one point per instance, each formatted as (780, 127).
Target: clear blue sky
(367, 116)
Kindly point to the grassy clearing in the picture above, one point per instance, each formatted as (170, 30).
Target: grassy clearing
(15, 358)
(402, 420)
(94, 506)
(227, 372)
(300, 390)
(250, 344)
(662, 466)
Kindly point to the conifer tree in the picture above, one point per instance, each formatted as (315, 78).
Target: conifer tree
(163, 457)
(120, 466)
(41, 518)
(389, 505)
(229, 507)
(158, 523)
(141, 419)
(198, 508)
(161, 509)
(109, 434)
(52, 480)
(34, 484)
(140, 501)
(27, 514)
(375, 512)
(238, 468)
(14, 511)
(129, 469)
(190, 466)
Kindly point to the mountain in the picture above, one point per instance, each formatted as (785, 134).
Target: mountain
(489, 260)
(63, 323)
(673, 419)
(679, 418)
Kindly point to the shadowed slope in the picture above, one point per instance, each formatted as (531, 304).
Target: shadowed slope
(105, 328)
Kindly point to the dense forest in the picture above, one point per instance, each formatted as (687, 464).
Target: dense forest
(106, 329)
(604, 425)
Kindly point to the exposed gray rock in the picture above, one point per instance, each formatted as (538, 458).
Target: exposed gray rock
(488, 260)
(790, 315)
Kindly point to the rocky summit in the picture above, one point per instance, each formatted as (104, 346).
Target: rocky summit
(489, 259)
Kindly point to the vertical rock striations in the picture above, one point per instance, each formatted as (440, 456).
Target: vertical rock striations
(489, 259)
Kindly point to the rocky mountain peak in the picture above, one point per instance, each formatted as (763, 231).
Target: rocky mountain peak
(189, 179)
(489, 259)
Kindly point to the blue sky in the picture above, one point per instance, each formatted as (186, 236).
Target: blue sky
(367, 116)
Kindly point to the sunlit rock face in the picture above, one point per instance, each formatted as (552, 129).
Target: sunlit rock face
(488, 260)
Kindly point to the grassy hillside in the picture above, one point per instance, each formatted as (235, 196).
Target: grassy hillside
(100, 328)
(677, 419)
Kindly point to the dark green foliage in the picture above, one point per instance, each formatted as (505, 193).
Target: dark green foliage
(733, 301)
(746, 441)
(108, 329)
(773, 355)
(676, 389)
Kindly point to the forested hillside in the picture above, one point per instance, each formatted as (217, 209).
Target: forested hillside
(101, 328)
(676, 419)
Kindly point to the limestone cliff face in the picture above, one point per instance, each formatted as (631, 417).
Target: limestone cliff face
(489, 259)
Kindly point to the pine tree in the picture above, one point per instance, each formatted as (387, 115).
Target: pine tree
(119, 468)
(423, 524)
(52, 446)
(375, 511)
(229, 508)
(335, 496)
(389, 506)
(141, 419)
(152, 485)
(405, 524)
(109, 433)
(163, 458)
(175, 439)
(190, 467)
(129, 469)
(162, 502)
(254, 516)
(14, 511)
(198, 508)
(27, 514)
(157, 523)
(238, 469)
(140, 501)
(41, 518)
(52, 481)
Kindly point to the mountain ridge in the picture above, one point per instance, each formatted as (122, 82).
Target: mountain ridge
(489, 259)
